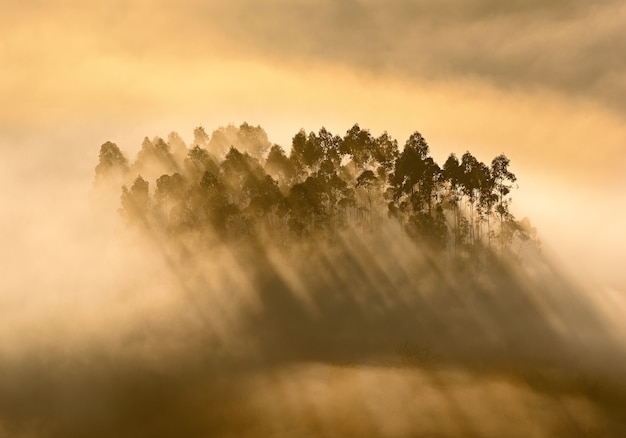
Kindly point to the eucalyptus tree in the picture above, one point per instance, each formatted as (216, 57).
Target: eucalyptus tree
(112, 162)
(484, 201)
(200, 137)
(470, 187)
(385, 154)
(154, 159)
(212, 205)
(415, 183)
(178, 148)
(136, 200)
(170, 190)
(266, 202)
(240, 170)
(199, 161)
(503, 180)
(280, 167)
(253, 140)
(453, 175)
(307, 206)
(222, 139)
(412, 171)
(367, 181)
(358, 144)
(306, 152)
(331, 147)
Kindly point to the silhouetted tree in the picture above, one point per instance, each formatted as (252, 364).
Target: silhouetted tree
(136, 201)
(326, 183)
(367, 181)
(306, 202)
(178, 148)
(306, 152)
(198, 162)
(503, 180)
(453, 175)
(471, 186)
(385, 153)
(245, 138)
(280, 167)
(359, 145)
(331, 145)
(200, 137)
(154, 159)
(170, 190)
(112, 162)
(253, 140)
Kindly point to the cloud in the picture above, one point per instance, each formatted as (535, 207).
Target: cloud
(569, 46)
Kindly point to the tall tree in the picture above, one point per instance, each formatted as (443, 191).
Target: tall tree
(503, 180)
(280, 167)
(385, 153)
(470, 182)
(112, 162)
(359, 145)
(331, 145)
(199, 161)
(200, 137)
(453, 175)
(136, 201)
(170, 190)
(178, 147)
(253, 140)
(307, 151)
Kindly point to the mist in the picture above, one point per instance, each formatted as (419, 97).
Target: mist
(110, 329)
(115, 330)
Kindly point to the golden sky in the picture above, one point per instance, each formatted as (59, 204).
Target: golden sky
(543, 82)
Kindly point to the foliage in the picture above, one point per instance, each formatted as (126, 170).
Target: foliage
(253, 190)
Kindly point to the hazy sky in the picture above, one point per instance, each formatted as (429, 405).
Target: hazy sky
(543, 82)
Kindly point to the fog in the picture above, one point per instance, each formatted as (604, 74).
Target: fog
(106, 331)
(109, 330)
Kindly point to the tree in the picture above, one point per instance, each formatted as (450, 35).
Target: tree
(154, 158)
(170, 189)
(306, 202)
(307, 151)
(359, 145)
(330, 145)
(245, 138)
(136, 201)
(245, 192)
(112, 162)
(199, 161)
(200, 137)
(503, 180)
(178, 147)
(385, 152)
(366, 181)
(238, 171)
(413, 169)
(470, 186)
(453, 175)
(279, 166)
(253, 140)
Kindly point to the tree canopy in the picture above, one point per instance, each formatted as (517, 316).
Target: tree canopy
(235, 185)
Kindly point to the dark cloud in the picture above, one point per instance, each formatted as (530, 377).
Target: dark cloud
(573, 47)
(569, 46)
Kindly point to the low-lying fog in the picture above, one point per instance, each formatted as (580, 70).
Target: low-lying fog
(108, 332)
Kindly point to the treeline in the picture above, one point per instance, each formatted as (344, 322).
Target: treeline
(235, 184)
